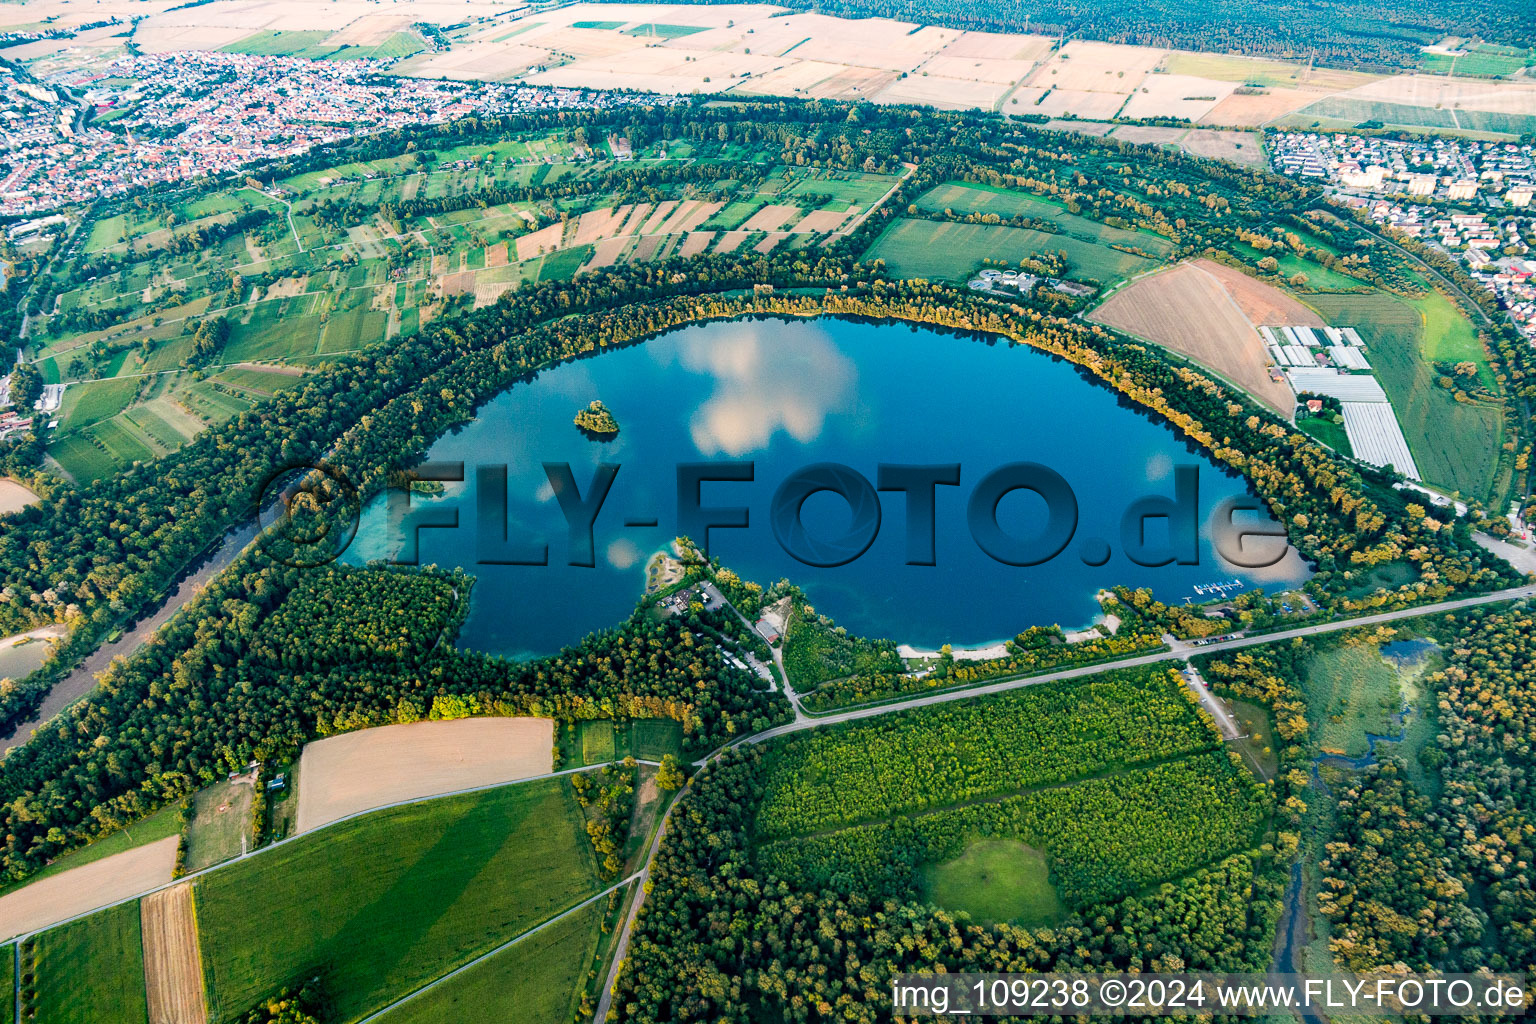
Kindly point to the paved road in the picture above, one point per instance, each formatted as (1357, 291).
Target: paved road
(83, 679)
(280, 843)
(1179, 652)
(1004, 685)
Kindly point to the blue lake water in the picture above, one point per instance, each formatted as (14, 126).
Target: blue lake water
(788, 394)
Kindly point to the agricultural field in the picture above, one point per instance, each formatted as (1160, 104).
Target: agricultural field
(603, 741)
(386, 903)
(1034, 737)
(950, 251)
(82, 888)
(173, 967)
(1190, 310)
(539, 980)
(965, 199)
(356, 771)
(1454, 444)
(1012, 808)
(1485, 60)
(182, 313)
(90, 971)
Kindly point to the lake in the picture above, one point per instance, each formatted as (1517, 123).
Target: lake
(790, 394)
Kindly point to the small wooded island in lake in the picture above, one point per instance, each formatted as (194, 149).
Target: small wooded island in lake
(597, 422)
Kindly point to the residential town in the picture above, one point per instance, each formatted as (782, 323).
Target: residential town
(1470, 199)
(167, 118)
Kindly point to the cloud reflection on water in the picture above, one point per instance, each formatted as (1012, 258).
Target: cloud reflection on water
(760, 388)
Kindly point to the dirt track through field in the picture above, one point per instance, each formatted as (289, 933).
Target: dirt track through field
(374, 767)
(173, 966)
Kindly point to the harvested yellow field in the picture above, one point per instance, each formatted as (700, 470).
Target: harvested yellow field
(731, 240)
(771, 217)
(978, 69)
(89, 887)
(696, 242)
(164, 37)
(1177, 96)
(536, 242)
(797, 77)
(658, 217)
(824, 220)
(173, 965)
(1000, 46)
(607, 252)
(1059, 102)
(768, 244)
(1098, 67)
(1454, 93)
(596, 224)
(646, 248)
(1262, 303)
(637, 216)
(360, 771)
(14, 497)
(945, 93)
(858, 83)
(370, 30)
(1188, 310)
(1239, 111)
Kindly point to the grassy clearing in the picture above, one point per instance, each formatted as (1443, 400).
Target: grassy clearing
(1325, 430)
(601, 741)
(949, 251)
(221, 818)
(1260, 743)
(94, 400)
(383, 904)
(1351, 691)
(996, 880)
(91, 971)
(1455, 444)
(538, 980)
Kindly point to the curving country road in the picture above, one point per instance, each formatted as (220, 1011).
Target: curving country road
(1179, 652)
